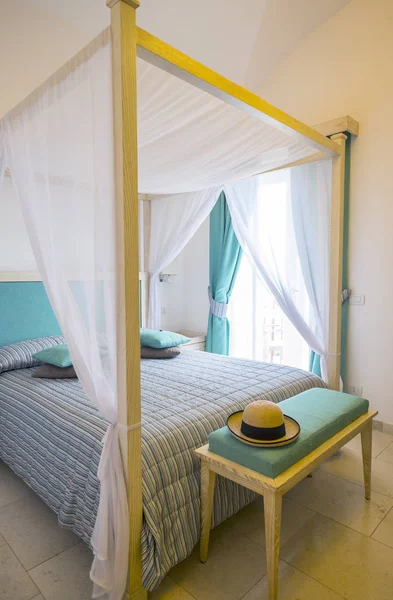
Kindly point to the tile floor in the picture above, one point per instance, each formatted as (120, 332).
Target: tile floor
(334, 544)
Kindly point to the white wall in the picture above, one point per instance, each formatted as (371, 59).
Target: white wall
(15, 249)
(220, 33)
(243, 40)
(345, 67)
(185, 299)
(32, 45)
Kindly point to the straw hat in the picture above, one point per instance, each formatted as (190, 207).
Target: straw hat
(262, 424)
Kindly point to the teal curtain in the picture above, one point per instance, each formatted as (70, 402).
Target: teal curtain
(315, 364)
(225, 257)
(344, 314)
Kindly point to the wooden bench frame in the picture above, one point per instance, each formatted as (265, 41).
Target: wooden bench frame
(273, 490)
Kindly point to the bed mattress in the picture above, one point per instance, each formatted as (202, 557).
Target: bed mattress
(50, 435)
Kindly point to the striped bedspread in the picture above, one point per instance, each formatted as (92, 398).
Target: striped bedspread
(50, 435)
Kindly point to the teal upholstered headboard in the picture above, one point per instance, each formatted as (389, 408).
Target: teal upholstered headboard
(25, 312)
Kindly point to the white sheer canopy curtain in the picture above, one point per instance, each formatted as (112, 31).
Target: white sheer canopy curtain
(297, 271)
(59, 147)
(174, 220)
(2, 159)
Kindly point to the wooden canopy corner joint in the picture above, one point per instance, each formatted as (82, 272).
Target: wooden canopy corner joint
(330, 128)
(133, 3)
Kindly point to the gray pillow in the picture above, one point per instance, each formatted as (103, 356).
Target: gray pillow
(52, 372)
(159, 352)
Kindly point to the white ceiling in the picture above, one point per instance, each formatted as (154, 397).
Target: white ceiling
(245, 40)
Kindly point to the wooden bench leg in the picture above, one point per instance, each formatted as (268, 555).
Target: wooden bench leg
(272, 508)
(208, 480)
(366, 434)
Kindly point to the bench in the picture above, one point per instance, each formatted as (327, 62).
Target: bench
(328, 421)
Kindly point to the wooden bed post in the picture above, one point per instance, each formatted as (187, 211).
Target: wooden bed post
(123, 26)
(336, 264)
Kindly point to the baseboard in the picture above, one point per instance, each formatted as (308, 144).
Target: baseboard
(384, 427)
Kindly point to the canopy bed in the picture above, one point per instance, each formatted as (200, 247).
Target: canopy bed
(72, 151)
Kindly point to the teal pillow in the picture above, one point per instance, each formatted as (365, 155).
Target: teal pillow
(58, 356)
(152, 338)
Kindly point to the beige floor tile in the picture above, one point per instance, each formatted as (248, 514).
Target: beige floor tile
(347, 464)
(342, 501)
(39, 597)
(250, 520)
(353, 565)
(11, 487)
(66, 576)
(32, 531)
(384, 532)
(169, 590)
(380, 442)
(386, 455)
(2, 541)
(234, 565)
(308, 489)
(15, 583)
(293, 585)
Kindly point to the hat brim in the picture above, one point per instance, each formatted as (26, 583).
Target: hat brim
(292, 430)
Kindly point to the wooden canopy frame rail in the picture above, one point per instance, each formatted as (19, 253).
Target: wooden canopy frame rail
(129, 42)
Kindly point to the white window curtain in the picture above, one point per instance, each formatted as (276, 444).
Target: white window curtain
(59, 147)
(306, 208)
(2, 159)
(174, 220)
(310, 196)
(259, 328)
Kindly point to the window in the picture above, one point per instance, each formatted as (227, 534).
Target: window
(259, 328)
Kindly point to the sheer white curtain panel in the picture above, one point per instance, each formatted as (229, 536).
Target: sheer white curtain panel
(59, 147)
(310, 193)
(295, 269)
(190, 140)
(174, 220)
(2, 160)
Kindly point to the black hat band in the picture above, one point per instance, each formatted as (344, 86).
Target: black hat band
(263, 433)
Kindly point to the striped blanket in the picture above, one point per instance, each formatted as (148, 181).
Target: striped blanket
(50, 435)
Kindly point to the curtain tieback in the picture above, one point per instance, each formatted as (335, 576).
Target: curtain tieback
(218, 309)
(345, 295)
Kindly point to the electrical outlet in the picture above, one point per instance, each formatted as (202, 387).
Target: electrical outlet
(356, 390)
(163, 310)
(357, 299)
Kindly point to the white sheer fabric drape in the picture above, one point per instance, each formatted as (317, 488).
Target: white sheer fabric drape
(2, 160)
(310, 193)
(190, 140)
(59, 146)
(174, 220)
(298, 264)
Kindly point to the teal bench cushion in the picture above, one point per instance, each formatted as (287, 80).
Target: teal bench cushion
(321, 413)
